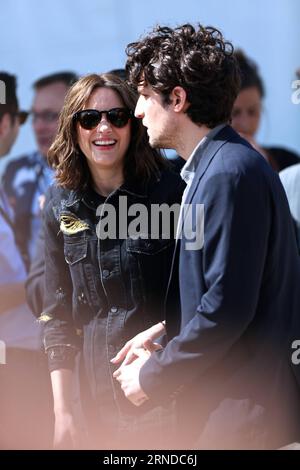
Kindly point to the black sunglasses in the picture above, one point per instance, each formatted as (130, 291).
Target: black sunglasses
(90, 118)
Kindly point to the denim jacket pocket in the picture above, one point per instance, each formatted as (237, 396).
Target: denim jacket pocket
(150, 261)
(75, 252)
(85, 295)
(148, 246)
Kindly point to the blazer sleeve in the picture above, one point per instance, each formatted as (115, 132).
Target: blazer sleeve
(231, 264)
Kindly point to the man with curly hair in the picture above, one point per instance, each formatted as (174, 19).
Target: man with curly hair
(227, 360)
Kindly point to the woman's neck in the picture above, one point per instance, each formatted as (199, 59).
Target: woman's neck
(105, 184)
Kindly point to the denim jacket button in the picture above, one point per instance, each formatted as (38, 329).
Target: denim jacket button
(105, 273)
(114, 309)
(81, 298)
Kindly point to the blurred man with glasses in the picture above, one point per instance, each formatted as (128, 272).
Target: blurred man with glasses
(27, 178)
(25, 399)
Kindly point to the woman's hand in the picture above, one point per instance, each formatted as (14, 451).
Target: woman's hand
(142, 340)
(66, 435)
(65, 432)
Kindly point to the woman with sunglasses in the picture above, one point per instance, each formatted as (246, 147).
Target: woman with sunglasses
(104, 283)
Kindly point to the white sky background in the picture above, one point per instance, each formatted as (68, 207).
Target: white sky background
(39, 37)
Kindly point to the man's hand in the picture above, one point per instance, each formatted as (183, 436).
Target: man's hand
(127, 355)
(128, 374)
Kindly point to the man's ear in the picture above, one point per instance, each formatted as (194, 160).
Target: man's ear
(179, 99)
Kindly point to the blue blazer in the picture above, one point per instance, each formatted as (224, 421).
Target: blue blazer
(233, 310)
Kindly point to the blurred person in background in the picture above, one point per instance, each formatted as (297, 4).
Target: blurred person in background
(290, 178)
(25, 404)
(247, 111)
(27, 178)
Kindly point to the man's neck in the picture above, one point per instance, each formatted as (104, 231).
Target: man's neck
(190, 136)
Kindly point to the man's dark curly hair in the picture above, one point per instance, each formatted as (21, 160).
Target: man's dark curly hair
(196, 58)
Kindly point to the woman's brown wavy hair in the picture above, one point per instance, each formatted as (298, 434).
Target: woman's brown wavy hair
(72, 172)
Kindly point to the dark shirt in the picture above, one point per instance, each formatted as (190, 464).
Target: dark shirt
(280, 158)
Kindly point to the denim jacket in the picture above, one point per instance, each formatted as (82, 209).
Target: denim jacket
(118, 284)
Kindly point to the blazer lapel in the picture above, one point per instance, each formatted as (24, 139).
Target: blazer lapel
(225, 134)
(209, 152)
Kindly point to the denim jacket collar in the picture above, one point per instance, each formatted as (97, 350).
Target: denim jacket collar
(132, 187)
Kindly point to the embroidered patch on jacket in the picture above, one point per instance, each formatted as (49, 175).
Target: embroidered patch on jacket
(70, 224)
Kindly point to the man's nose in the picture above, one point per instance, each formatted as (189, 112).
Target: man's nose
(138, 112)
(39, 125)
